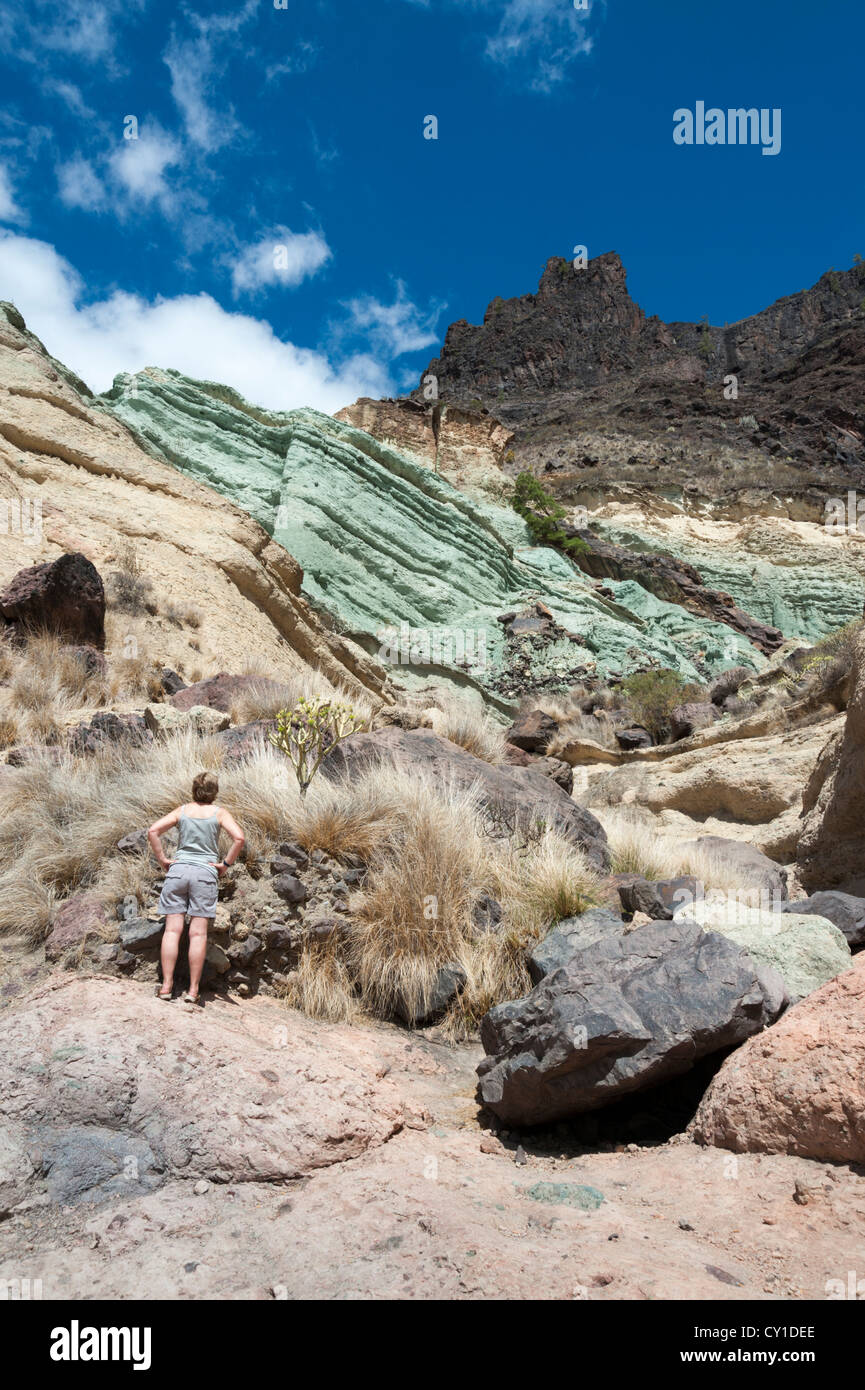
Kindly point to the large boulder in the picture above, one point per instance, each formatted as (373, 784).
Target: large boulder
(269, 1099)
(805, 950)
(516, 797)
(623, 1015)
(846, 911)
(569, 936)
(107, 729)
(689, 718)
(64, 596)
(800, 1087)
(221, 691)
(728, 682)
(751, 872)
(831, 852)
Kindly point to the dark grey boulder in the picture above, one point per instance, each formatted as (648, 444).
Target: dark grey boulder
(658, 899)
(845, 910)
(532, 731)
(569, 936)
(689, 718)
(627, 1013)
(141, 934)
(728, 682)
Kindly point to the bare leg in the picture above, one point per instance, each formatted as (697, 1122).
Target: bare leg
(197, 952)
(170, 947)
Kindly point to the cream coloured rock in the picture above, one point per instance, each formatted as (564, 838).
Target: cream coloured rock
(93, 488)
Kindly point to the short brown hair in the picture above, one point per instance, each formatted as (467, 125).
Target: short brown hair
(205, 787)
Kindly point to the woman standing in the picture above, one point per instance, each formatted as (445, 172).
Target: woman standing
(191, 883)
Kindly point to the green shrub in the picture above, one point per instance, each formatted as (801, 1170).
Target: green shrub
(653, 695)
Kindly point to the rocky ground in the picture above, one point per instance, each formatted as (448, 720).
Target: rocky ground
(353, 1163)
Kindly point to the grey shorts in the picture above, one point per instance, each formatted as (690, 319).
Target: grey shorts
(191, 889)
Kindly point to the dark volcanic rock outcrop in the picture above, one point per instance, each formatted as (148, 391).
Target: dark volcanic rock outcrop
(578, 365)
(65, 597)
(627, 1013)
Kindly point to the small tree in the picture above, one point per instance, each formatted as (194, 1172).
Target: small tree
(307, 733)
(542, 514)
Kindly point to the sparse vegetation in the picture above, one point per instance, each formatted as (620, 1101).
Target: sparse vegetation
(543, 514)
(310, 731)
(653, 695)
(128, 587)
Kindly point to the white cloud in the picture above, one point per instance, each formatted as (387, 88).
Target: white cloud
(394, 328)
(191, 333)
(9, 209)
(196, 66)
(139, 165)
(80, 186)
(552, 32)
(84, 29)
(282, 258)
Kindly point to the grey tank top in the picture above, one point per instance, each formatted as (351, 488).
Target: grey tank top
(198, 839)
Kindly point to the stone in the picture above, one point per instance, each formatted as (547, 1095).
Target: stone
(290, 889)
(290, 850)
(634, 737)
(217, 958)
(800, 1087)
(243, 741)
(689, 718)
(221, 691)
(515, 797)
(660, 899)
(242, 953)
(290, 1110)
(532, 731)
(845, 910)
(831, 851)
(620, 1016)
(487, 913)
(568, 937)
(106, 729)
(141, 934)
(63, 596)
(727, 683)
(743, 863)
(806, 950)
(449, 981)
(81, 916)
(171, 681)
(163, 720)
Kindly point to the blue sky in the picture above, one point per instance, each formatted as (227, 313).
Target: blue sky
(302, 128)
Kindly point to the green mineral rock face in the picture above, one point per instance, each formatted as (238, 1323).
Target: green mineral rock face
(388, 547)
(805, 600)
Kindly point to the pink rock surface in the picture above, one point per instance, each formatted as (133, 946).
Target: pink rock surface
(798, 1088)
